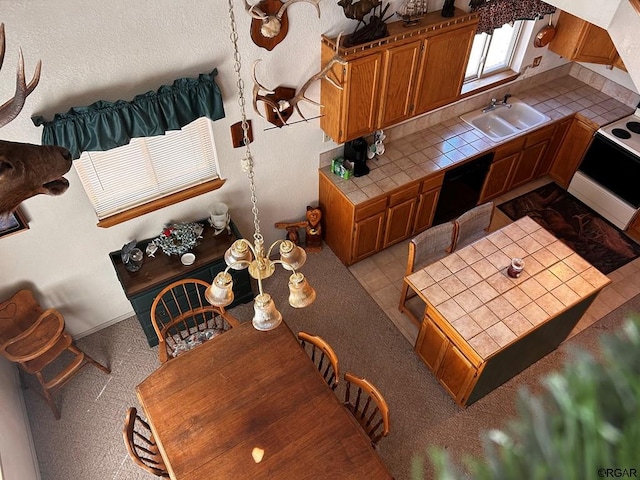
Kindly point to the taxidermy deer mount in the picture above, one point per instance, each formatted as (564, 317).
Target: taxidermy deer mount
(280, 103)
(27, 170)
(270, 24)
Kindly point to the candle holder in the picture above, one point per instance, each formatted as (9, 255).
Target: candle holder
(516, 267)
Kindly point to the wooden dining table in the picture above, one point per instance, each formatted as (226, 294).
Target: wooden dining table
(211, 406)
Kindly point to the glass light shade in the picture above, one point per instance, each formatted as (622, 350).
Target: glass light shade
(266, 316)
(291, 255)
(301, 294)
(220, 293)
(238, 255)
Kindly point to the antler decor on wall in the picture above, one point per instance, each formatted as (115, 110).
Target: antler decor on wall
(27, 170)
(282, 101)
(270, 25)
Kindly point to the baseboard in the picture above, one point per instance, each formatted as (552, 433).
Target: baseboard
(102, 326)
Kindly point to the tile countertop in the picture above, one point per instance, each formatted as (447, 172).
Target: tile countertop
(471, 290)
(445, 144)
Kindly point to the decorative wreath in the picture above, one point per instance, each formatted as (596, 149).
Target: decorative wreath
(179, 238)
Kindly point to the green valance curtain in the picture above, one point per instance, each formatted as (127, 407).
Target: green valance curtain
(495, 13)
(104, 125)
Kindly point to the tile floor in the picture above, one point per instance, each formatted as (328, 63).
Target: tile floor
(381, 276)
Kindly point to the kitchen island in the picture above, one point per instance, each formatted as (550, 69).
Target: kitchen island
(482, 327)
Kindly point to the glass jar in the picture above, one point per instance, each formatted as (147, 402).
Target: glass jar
(134, 262)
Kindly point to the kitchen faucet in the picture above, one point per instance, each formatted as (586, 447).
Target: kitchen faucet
(495, 104)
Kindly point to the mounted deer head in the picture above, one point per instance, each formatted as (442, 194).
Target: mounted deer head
(27, 170)
(269, 25)
(279, 105)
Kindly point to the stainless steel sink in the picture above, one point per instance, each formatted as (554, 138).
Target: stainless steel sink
(503, 122)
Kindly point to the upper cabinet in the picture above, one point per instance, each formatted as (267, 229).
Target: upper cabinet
(409, 72)
(581, 41)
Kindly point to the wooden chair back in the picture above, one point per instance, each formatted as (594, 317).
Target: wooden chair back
(323, 356)
(368, 406)
(425, 248)
(473, 225)
(141, 445)
(180, 311)
(34, 338)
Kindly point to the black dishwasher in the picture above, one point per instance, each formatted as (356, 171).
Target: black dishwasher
(461, 188)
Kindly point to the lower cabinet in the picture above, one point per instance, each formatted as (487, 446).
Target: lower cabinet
(400, 215)
(451, 367)
(157, 272)
(573, 147)
(354, 232)
(517, 162)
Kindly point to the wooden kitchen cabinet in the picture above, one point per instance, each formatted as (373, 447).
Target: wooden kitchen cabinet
(573, 147)
(352, 112)
(427, 202)
(581, 41)
(559, 131)
(535, 147)
(442, 68)
(500, 172)
(412, 70)
(400, 215)
(451, 367)
(368, 229)
(354, 232)
(400, 70)
(517, 162)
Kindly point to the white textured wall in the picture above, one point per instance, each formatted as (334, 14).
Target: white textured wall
(17, 457)
(113, 50)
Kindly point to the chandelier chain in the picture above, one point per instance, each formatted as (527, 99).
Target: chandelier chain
(247, 162)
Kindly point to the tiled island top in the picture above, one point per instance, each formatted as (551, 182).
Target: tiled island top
(441, 146)
(471, 290)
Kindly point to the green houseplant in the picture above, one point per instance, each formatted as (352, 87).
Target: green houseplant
(585, 424)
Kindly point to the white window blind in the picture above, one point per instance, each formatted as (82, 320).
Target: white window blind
(148, 168)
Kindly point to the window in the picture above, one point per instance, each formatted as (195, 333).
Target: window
(148, 168)
(492, 53)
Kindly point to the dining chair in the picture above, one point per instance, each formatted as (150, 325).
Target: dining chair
(368, 406)
(182, 318)
(35, 339)
(472, 225)
(323, 356)
(141, 445)
(425, 248)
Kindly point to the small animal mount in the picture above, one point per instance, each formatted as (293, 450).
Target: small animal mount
(280, 103)
(270, 25)
(372, 29)
(27, 170)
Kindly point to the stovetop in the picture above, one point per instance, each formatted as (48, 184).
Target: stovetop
(625, 132)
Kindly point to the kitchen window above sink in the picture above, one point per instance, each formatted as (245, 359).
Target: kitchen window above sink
(505, 120)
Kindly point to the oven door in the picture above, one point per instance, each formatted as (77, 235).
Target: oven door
(605, 181)
(613, 167)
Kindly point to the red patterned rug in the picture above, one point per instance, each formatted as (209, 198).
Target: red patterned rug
(585, 231)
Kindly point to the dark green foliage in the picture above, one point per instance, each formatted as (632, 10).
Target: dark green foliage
(587, 418)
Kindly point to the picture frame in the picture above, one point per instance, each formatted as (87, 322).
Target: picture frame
(636, 5)
(15, 222)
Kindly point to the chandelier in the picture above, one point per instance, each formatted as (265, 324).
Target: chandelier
(243, 254)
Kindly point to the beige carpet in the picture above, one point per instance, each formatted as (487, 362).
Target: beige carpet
(86, 443)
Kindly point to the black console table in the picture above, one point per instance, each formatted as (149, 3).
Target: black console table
(157, 272)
